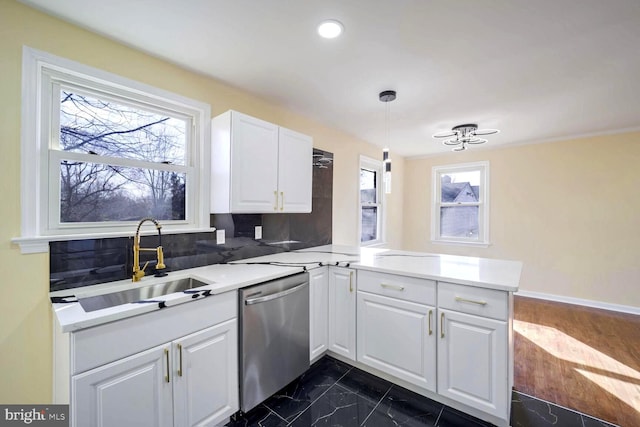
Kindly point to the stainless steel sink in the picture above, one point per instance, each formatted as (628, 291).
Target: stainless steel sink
(99, 302)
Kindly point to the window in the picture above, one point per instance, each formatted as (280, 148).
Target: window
(102, 152)
(461, 203)
(370, 201)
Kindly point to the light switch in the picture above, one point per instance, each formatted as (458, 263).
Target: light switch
(220, 237)
(258, 232)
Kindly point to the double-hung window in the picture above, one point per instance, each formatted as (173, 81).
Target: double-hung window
(100, 152)
(461, 203)
(370, 201)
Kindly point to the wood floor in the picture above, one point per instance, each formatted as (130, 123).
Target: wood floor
(580, 358)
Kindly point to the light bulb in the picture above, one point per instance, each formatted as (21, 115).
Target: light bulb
(330, 29)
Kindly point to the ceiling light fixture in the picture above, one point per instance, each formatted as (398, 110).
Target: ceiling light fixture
(387, 96)
(330, 29)
(461, 135)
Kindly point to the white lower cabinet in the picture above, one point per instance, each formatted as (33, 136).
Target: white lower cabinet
(318, 311)
(187, 382)
(131, 391)
(448, 339)
(205, 384)
(472, 361)
(397, 337)
(342, 311)
(177, 366)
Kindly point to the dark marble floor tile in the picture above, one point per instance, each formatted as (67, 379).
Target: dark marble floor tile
(453, 418)
(594, 422)
(339, 406)
(365, 385)
(527, 411)
(260, 416)
(297, 396)
(401, 407)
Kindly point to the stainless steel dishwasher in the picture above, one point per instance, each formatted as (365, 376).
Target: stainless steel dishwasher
(274, 331)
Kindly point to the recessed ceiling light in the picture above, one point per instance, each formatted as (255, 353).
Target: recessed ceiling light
(330, 29)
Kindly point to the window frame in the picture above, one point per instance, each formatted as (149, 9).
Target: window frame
(377, 166)
(483, 203)
(43, 75)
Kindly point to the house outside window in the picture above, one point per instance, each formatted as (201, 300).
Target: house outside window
(371, 213)
(100, 152)
(461, 204)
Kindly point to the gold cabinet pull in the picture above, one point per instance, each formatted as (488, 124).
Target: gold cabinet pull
(166, 355)
(441, 325)
(282, 200)
(351, 281)
(394, 287)
(460, 299)
(275, 206)
(180, 358)
(430, 315)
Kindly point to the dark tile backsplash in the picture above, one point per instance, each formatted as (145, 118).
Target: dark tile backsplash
(77, 263)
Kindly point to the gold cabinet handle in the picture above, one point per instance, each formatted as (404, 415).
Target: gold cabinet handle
(351, 281)
(275, 206)
(394, 287)
(180, 358)
(430, 315)
(460, 299)
(282, 200)
(166, 355)
(441, 325)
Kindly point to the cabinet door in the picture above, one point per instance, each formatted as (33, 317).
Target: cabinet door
(206, 376)
(318, 311)
(342, 311)
(295, 171)
(134, 391)
(254, 160)
(472, 361)
(398, 337)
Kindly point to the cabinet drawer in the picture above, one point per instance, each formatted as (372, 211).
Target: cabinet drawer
(472, 300)
(421, 291)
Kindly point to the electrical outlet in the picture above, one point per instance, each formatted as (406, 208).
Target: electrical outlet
(220, 237)
(258, 235)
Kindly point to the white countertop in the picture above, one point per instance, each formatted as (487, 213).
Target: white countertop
(482, 272)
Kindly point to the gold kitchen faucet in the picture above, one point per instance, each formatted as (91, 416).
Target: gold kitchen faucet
(138, 273)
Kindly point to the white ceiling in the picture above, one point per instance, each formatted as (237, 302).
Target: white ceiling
(535, 69)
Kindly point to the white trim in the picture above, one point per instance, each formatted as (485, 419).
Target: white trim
(483, 204)
(580, 301)
(37, 69)
(370, 163)
(40, 244)
(460, 243)
(571, 137)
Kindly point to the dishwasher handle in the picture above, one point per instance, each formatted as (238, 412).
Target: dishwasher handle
(277, 295)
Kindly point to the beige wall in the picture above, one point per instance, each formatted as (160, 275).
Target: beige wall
(569, 210)
(25, 315)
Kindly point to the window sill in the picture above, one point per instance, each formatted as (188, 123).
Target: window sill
(460, 243)
(40, 244)
(373, 244)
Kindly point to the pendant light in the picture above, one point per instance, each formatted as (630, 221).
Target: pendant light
(387, 96)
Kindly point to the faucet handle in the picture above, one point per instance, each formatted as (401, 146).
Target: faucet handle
(160, 255)
(139, 274)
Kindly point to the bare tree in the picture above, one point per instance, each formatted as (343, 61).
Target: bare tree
(101, 192)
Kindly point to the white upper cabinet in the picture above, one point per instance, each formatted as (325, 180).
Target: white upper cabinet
(295, 171)
(259, 167)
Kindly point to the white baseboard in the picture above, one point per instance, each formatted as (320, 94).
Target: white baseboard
(579, 301)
